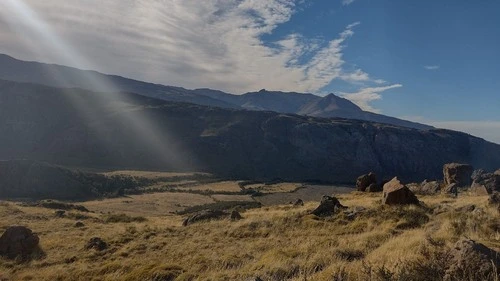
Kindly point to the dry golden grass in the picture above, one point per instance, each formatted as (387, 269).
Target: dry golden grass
(149, 174)
(275, 242)
(224, 186)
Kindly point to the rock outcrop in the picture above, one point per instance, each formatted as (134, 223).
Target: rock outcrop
(364, 181)
(486, 183)
(396, 193)
(329, 205)
(427, 188)
(459, 174)
(472, 261)
(18, 241)
(494, 198)
(204, 216)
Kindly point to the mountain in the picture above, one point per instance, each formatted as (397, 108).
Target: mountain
(284, 102)
(82, 128)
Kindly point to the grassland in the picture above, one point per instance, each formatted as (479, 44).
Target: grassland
(275, 242)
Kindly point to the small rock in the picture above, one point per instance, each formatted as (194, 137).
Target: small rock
(395, 193)
(204, 215)
(494, 198)
(79, 224)
(329, 205)
(374, 188)
(298, 203)
(60, 213)
(18, 241)
(235, 215)
(96, 243)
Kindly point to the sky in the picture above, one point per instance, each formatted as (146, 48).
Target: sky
(434, 62)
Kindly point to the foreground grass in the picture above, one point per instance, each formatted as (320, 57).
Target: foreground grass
(275, 243)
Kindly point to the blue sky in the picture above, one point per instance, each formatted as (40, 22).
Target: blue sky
(431, 61)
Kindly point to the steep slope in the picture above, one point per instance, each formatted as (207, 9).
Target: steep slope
(305, 104)
(43, 123)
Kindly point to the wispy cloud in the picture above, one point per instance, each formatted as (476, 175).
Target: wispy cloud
(347, 2)
(431, 67)
(189, 43)
(365, 96)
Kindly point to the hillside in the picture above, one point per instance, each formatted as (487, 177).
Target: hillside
(88, 129)
(298, 103)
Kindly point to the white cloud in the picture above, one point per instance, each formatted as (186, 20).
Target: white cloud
(431, 67)
(189, 43)
(363, 97)
(347, 2)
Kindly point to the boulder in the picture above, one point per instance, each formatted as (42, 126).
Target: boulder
(329, 205)
(395, 193)
(486, 183)
(96, 243)
(459, 174)
(364, 181)
(494, 199)
(430, 187)
(374, 188)
(235, 215)
(472, 261)
(204, 215)
(298, 203)
(477, 174)
(18, 241)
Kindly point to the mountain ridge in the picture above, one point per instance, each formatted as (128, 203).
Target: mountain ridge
(284, 102)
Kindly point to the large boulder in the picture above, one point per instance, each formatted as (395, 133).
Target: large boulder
(205, 215)
(472, 261)
(364, 181)
(329, 205)
(460, 174)
(396, 193)
(486, 183)
(18, 241)
(428, 188)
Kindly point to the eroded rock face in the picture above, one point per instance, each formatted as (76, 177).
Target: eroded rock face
(18, 241)
(427, 188)
(204, 215)
(329, 205)
(472, 261)
(364, 181)
(396, 193)
(460, 174)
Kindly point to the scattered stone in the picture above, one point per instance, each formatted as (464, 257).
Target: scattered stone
(298, 203)
(18, 241)
(494, 199)
(450, 189)
(79, 224)
(60, 213)
(459, 174)
(472, 261)
(374, 188)
(429, 187)
(364, 181)
(204, 215)
(395, 193)
(329, 205)
(351, 214)
(96, 243)
(235, 215)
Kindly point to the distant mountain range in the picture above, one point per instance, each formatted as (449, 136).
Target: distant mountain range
(297, 103)
(82, 128)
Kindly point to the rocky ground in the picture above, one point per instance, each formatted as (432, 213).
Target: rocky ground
(346, 236)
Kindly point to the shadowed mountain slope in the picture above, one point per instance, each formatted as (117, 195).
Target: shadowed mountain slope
(50, 124)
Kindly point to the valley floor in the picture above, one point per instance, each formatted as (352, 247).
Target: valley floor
(274, 242)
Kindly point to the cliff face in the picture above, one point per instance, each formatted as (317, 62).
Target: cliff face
(82, 128)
